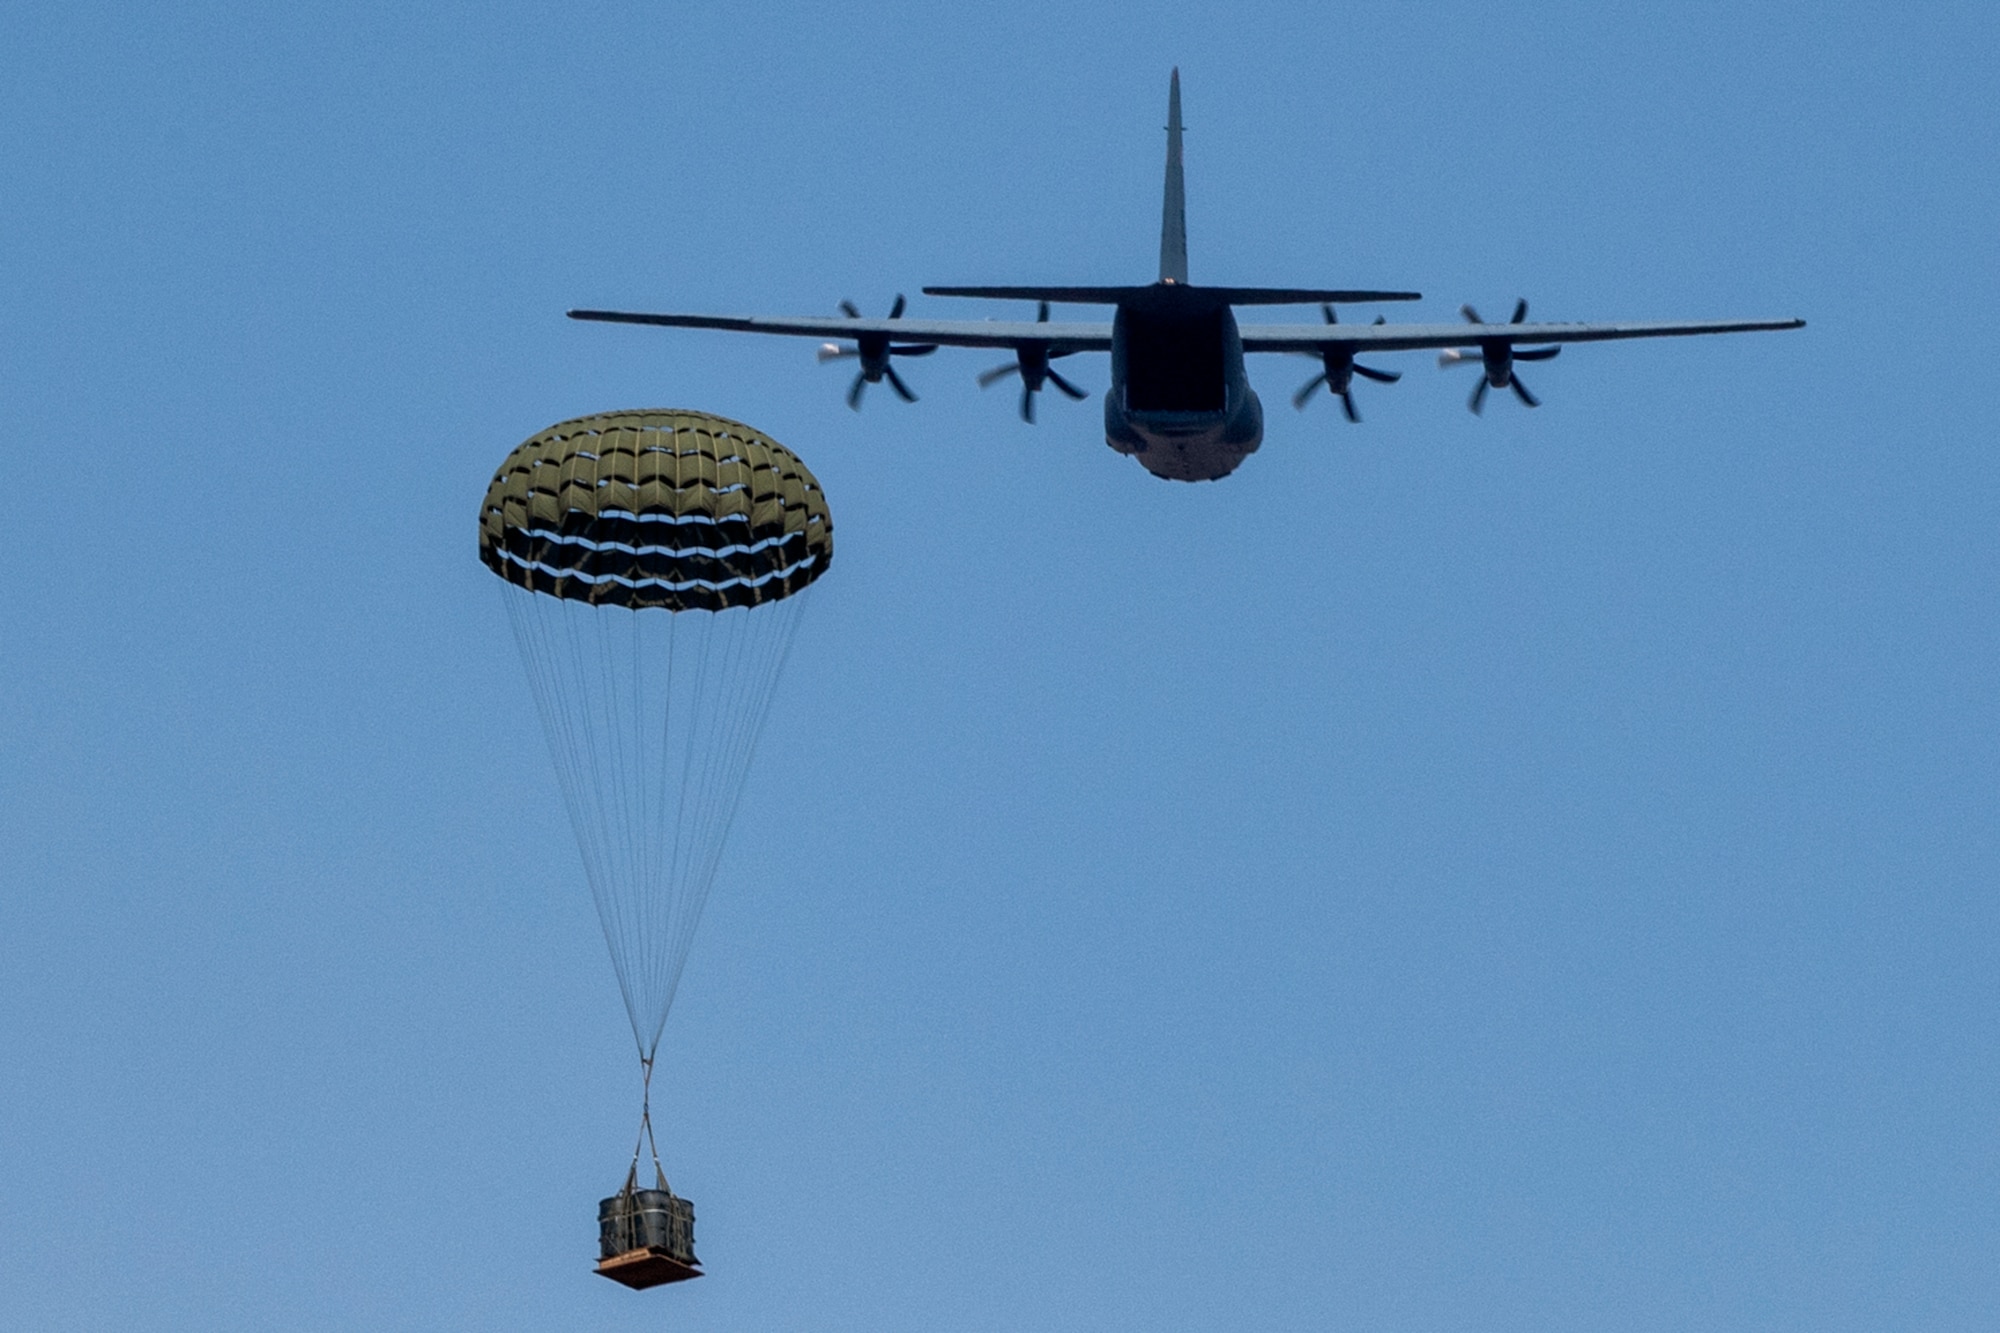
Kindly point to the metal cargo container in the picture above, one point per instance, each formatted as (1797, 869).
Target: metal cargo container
(646, 1237)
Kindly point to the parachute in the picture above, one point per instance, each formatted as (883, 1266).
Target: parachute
(653, 564)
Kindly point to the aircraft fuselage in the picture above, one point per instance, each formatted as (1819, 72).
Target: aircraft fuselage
(1180, 401)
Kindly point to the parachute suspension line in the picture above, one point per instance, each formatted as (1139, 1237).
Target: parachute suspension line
(539, 649)
(659, 909)
(628, 744)
(704, 767)
(632, 709)
(658, 868)
(633, 783)
(691, 746)
(596, 711)
(687, 831)
(591, 763)
(730, 754)
(760, 685)
(634, 911)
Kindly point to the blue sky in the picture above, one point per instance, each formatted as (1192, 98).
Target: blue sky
(1530, 872)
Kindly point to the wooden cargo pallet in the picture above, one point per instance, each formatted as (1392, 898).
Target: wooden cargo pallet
(649, 1267)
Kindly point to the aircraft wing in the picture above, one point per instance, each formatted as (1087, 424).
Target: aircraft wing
(1064, 337)
(1411, 337)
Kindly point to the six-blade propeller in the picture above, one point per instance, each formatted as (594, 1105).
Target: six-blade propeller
(1339, 370)
(875, 349)
(1497, 357)
(1031, 363)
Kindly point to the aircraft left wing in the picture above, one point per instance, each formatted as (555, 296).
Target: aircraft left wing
(1412, 337)
(1058, 338)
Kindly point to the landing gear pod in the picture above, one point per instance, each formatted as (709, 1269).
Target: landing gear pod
(646, 1237)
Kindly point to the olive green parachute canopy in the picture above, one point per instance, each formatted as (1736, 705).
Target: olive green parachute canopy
(672, 509)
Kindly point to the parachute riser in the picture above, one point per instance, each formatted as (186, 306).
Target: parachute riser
(645, 1139)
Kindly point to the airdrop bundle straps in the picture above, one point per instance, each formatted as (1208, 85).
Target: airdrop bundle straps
(646, 1237)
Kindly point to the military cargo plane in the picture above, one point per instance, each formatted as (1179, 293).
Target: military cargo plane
(1180, 401)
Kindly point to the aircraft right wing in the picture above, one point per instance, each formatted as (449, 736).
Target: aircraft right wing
(1412, 337)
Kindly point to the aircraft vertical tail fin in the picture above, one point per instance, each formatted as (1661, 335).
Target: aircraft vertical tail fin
(1173, 215)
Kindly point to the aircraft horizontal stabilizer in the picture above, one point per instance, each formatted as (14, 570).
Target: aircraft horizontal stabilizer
(1174, 291)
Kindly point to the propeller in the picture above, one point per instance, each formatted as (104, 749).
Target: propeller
(1031, 363)
(1339, 372)
(874, 350)
(1497, 357)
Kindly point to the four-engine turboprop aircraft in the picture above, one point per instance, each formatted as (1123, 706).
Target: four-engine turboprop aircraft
(1179, 399)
